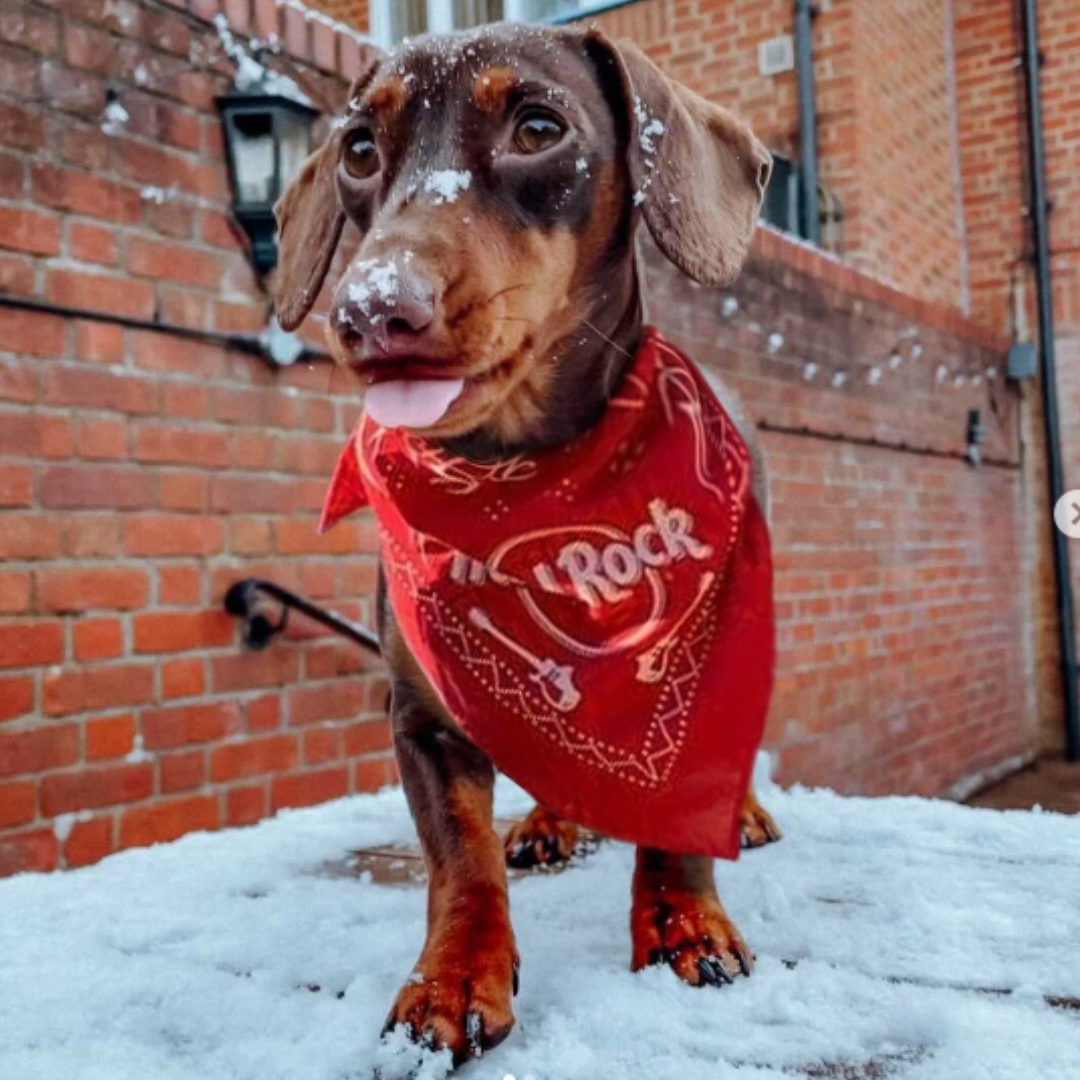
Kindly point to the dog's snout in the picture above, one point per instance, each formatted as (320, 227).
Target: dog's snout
(383, 304)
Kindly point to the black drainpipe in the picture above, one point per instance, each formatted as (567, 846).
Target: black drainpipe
(1040, 219)
(805, 13)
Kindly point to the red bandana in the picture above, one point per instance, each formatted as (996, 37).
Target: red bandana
(598, 616)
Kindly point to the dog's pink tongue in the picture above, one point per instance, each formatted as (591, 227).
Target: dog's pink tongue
(414, 403)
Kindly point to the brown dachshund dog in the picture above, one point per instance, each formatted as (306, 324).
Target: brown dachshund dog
(502, 175)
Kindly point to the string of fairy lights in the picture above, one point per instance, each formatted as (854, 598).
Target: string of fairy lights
(822, 366)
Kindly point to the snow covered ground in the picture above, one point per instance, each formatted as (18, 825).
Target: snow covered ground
(895, 938)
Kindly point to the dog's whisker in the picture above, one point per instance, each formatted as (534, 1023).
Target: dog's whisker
(600, 333)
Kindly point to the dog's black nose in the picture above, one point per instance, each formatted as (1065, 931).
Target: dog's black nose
(382, 305)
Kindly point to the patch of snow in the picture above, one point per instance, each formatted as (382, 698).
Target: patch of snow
(250, 74)
(114, 119)
(64, 823)
(774, 342)
(447, 184)
(918, 934)
(374, 280)
(138, 752)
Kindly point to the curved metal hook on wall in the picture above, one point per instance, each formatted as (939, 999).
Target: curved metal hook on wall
(246, 599)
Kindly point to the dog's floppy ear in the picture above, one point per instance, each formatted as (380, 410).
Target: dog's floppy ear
(698, 173)
(310, 220)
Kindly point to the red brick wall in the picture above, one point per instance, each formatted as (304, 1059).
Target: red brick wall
(903, 579)
(994, 141)
(140, 474)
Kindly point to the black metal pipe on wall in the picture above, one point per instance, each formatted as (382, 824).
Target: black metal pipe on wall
(805, 12)
(1040, 224)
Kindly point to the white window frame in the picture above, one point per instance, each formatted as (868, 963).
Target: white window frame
(440, 15)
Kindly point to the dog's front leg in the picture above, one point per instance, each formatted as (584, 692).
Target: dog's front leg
(676, 918)
(459, 994)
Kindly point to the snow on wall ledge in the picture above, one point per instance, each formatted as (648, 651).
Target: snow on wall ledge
(895, 938)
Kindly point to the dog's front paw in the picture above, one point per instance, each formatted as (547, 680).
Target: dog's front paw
(757, 824)
(692, 935)
(458, 999)
(540, 839)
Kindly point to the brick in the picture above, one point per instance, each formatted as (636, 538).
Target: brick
(173, 262)
(263, 714)
(321, 744)
(169, 534)
(176, 444)
(92, 536)
(34, 435)
(373, 774)
(89, 842)
(63, 590)
(110, 737)
(246, 805)
(33, 231)
(180, 586)
(32, 333)
(14, 592)
(101, 439)
(369, 737)
(90, 486)
(182, 631)
(307, 789)
(253, 757)
(28, 27)
(16, 696)
(249, 671)
(82, 192)
(92, 244)
(26, 643)
(184, 725)
(182, 771)
(31, 852)
(16, 485)
(189, 491)
(93, 788)
(23, 129)
(168, 820)
(110, 391)
(99, 342)
(18, 803)
(100, 292)
(183, 678)
(38, 750)
(97, 687)
(98, 639)
(342, 700)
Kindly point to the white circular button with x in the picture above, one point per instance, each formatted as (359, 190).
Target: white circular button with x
(1067, 514)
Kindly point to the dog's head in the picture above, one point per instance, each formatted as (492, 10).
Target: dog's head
(496, 179)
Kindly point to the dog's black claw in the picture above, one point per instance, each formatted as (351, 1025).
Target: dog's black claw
(474, 1030)
(517, 979)
(657, 957)
(552, 845)
(713, 972)
(520, 857)
(745, 958)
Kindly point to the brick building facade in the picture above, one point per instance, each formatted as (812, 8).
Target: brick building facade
(141, 473)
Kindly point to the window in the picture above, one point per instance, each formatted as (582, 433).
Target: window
(392, 20)
(783, 209)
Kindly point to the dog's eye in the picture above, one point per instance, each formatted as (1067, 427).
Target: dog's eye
(538, 131)
(361, 156)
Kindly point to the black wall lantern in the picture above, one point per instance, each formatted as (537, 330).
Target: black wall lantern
(267, 138)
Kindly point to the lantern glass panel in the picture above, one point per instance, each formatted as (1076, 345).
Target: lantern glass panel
(253, 153)
(294, 133)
